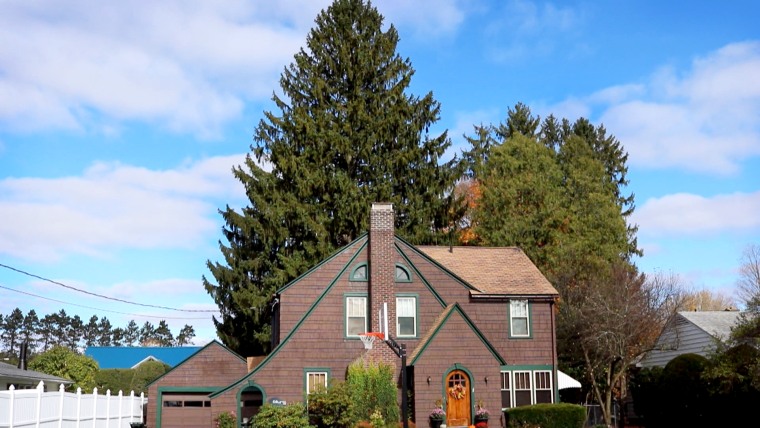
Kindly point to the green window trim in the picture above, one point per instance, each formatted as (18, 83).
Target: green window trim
(315, 372)
(416, 298)
(346, 325)
(402, 273)
(539, 379)
(529, 321)
(360, 273)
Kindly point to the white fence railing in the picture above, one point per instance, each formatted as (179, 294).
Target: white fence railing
(26, 408)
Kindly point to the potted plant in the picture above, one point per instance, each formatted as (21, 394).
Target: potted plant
(437, 415)
(481, 415)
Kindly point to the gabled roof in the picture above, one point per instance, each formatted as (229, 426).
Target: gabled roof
(198, 350)
(492, 270)
(127, 357)
(715, 323)
(452, 310)
(14, 373)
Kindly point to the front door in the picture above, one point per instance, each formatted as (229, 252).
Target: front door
(458, 399)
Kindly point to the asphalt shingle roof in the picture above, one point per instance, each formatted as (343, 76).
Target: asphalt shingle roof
(9, 371)
(493, 270)
(716, 323)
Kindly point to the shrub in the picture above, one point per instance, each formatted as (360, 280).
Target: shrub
(372, 388)
(331, 407)
(559, 415)
(226, 420)
(289, 416)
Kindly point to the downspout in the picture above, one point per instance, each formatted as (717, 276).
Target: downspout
(554, 354)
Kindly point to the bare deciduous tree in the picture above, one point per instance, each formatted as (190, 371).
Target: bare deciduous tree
(748, 284)
(617, 319)
(707, 300)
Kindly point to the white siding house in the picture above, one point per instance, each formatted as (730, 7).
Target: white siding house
(690, 333)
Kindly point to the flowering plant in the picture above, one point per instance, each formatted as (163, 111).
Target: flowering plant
(437, 414)
(481, 413)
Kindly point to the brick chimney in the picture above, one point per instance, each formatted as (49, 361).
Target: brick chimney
(382, 272)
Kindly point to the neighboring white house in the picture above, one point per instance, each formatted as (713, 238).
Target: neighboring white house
(690, 333)
(28, 379)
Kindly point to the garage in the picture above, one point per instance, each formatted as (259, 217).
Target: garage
(187, 409)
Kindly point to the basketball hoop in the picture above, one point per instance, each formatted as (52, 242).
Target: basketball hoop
(369, 338)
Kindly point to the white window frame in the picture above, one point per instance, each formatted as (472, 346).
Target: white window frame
(309, 374)
(516, 308)
(535, 385)
(541, 386)
(359, 302)
(413, 315)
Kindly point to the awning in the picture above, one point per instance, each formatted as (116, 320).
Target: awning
(564, 381)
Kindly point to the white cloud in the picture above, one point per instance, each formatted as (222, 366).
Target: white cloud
(704, 121)
(424, 17)
(114, 206)
(686, 214)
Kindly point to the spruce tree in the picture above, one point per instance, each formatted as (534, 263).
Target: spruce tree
(345, 133)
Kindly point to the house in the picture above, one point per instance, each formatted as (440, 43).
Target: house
(475, 325)
(28, 379)
(129, 357)
(690, 332)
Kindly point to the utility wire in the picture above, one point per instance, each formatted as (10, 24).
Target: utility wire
(101, 309)
(102, 296)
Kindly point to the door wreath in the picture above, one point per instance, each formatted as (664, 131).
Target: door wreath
(457, 391)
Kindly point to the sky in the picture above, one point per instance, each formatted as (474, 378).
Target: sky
(120, 123)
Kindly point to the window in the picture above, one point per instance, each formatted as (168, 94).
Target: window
(406, 316)
(402, 274)
(356, 315)
(543, 385)
(526, 387)
(360, 273)
(506, 390)
(315, 381)
(518, 318)
(523, 395)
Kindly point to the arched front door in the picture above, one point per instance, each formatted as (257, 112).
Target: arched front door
(458, 399)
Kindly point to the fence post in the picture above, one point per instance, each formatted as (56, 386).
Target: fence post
(108, 408)
(12, 389)
(40, 388)
(79, 405)
(132, 406)
(94, 406)
(60, 406)
(142, 406)
(121, 396)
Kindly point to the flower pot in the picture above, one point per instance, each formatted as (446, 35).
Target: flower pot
(436, 423)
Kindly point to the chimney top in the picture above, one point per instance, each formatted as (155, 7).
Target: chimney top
(382, 206)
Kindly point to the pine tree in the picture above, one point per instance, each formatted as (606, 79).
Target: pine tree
(345, 134)
(131, 333)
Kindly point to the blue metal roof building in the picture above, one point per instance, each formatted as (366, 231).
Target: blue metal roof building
(128, 357)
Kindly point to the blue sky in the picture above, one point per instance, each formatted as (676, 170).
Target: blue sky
(120, 122)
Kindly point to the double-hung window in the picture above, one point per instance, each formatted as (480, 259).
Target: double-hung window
(356, 315)
(406, 316)
(519, 322)
(523, 392)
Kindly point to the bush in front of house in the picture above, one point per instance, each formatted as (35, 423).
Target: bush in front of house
(288, 416)
(373, 389)
(331, 407)
(559, 415)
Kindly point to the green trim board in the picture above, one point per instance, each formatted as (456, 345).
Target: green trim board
(163, 389)
(422, 278)
(245, 388)
(298, 325)
(443, 319)
(325, 261)
(193, 355)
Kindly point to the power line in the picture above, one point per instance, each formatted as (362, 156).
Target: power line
(101, 309)
(102, 296)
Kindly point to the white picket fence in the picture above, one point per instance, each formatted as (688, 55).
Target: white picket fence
(35, 408)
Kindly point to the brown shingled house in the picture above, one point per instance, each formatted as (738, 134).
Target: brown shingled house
(477, 325)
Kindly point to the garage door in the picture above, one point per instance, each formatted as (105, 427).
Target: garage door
(185, 410)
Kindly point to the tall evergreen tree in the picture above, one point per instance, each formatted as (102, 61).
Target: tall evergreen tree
(131, 333)
(30, 329)
(91, 333)
(105, 333)
(345, 134)
(11, 332)
(163, 334)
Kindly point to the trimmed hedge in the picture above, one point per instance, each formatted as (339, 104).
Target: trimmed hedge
(559, 415)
